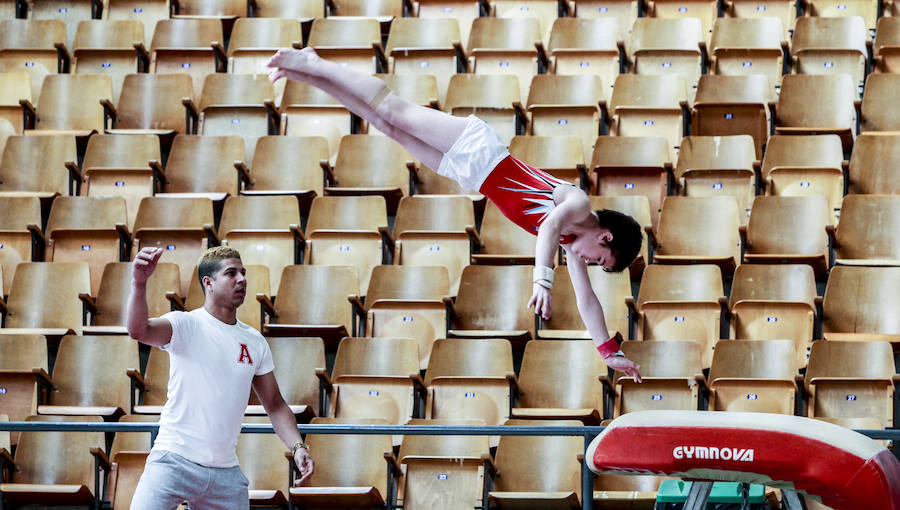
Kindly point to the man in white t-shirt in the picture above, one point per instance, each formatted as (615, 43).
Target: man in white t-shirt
(214, 359)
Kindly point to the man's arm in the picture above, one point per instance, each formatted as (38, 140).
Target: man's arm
(572, 206)
(283, 421)
(148, 331)
(592, 315)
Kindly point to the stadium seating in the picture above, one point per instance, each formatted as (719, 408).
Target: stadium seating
(672, 377)
(24, 373)
(507, 46)
(887, 37)
(562, 105)
(420, 89)
(613, 290)
(355, 43)
(699, 230)
(753, 375)
(152, 104)
(69, 12)
(426, 46)
(857, 303)
(789, 229)
(303, 10)
(864, 235)
(207, 166)
(704, 10)
(254, 40)
(152, 386)
(872, 165)
(733, 105)
(715, 166)
(496, 98)
(301, 376)
(625, 12)
(115, 48)
(128, 456)
(195, 47)
(74, 104)
(502, 241)
(262, 458)
(15, 94)
(20, 234)
(109, 311)
(831, 45)
(812, 104)
(786, 10)
(492, 304)
(669, 47)
(586, 46)
(309, 111)
(43, 298)
(37, 47)
(878, 112)
(293, 166)
(373, 165)
(463, 11)
(545, 11)
(649, 105)
(148, 12)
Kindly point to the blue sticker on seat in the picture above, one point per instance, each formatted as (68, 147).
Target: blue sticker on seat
(407, 318)
(752, 396)
(649, 123)
(470, 394)
(746, 64)
(771, 319)
(629, 185)
(655, 397)
(729, 116)
(85, 247)
(119, 184)
(442, 476)
(373, 393)
(186, 65)
(679, 318)
(424, 64)
(138, 10)
(170, 247)
(851, 398)
(562, 122)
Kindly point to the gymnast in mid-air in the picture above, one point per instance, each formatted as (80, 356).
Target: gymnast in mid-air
(470, 152)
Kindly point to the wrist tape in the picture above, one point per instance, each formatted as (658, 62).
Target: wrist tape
(609, 348)
(543, 276)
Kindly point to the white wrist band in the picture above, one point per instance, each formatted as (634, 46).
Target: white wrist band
(543, 276)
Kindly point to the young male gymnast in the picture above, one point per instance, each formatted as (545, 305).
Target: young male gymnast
(470, 152)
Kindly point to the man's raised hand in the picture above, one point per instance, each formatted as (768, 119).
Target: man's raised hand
(626, 366)
(145, 263)
(541, 300)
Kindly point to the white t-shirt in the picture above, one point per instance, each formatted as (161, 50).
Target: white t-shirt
(211, 370)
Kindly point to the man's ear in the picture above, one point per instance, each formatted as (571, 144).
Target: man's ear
(605, 236)
(204, 282)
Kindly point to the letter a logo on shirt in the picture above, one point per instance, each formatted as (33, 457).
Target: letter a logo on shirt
(245, 354)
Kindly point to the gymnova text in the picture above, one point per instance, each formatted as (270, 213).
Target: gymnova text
(713, 452)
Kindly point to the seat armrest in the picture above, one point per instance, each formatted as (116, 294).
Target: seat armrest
(543, 61)
(191, 116)
(211, 234)
(110, 116)
(75, 178)
(243, 174)
(268, 308)
(143, 55)
(451, 312)
(63, 57)
(327, 173)
(392, 464)
(462, 63)
(101, 457)
(221, 56)
(381, 58)
(136, 378)
(324, 380)
(7, 466)
(29, 114)
(389, 245)
(3, 308)
(88, 302)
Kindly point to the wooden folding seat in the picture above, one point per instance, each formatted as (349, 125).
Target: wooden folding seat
(15, 95)
(492, 304)
(92, 230)
(53, 468)
(755, 376)
(733, 105)
(681, 303)
(300, 372)
(303, 10)
(355, 43)
(128, 455)
(538, 471)
(587, 46)
(867, 10)
(37, 47)
(336, 483)
(502, 241)
(865, 235)
(463, 11)
(110, 308)
(375, 378)
(831, 46)
(154, 104)
(562, 380)
(263, 460)
(43, 298)
(879, 112)
(436, 231)
(80, 389)
(785, 10)
(115, 48)
(430, 183)
(545, 11)
(774, 302)
(74, 104)
(715, 166)
(373, 165)
(265, 230)
(664, 46)
(125, 167)
(633, 165)
(886, 46)
(699, 230)
(310, 111)
(40, 166)
(206, 166)
(851, 380)
(442, 471)
(182, 227)
(567, 106)
(426, 46)
(406, 302)
(672, 377)
(250, 312)
(240, 105)
(195, 47)
(348, 231)
(805, 165)
(635, 491)
(470, 379)
(560, 156)
(748, 46)
(152, 387)
(328, 315)
(817, 104)
(494, 98)
(21, 237)
(24, 375)
(625, 12)
(254, 41)
(290, 166)
(859, 302)
(874, 164)
(225, 12)
(70, 12)
(649, 105)
(148, 12)
(613, 290)
(638, 207)
(383, 10)
(507, 46)
(704, 10)
(789, 230)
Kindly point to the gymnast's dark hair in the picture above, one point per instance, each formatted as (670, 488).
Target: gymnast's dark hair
(627, 237)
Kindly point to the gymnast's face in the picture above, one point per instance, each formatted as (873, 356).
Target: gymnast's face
(593, 248)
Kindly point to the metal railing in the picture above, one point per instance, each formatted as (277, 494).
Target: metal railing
(587, 432)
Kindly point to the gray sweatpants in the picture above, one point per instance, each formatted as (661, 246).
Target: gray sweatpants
(169, 480)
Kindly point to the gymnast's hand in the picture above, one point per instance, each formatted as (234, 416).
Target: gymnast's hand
(541, 300)
(624, 365)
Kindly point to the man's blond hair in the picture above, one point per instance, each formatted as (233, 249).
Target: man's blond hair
(211, 260)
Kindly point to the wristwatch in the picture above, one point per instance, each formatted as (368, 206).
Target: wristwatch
(297, 446)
